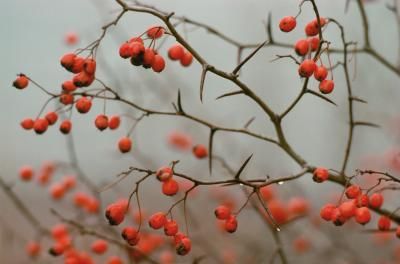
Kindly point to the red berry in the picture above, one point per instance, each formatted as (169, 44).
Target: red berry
(348, 209)
(176, 52)
(171, 228)
(68, 86)
(222, 212)
(183, 245)
(363, 216)
(384, 223)
(200, 151)
(114, 260)
(131, 235)
(307, 68)
(125, 144)
(312, 28)
(57, 249)
(314, 43)
(71, 38)
(186, 59)
(115, 212)
(125, 50)
(302, 47)
(114, 122)
(33, 249)
(337, 218)
(157, 220)
(353, 191)
(99, 246)
(57, 191)
(158, 64)
(101, 122)
(21, 82)
(170, 187)
(155, 32)
(326, 212)
(67, 61)
(77, 66)
(362, 200)
(320, 73)
(320, 175)
(26, 173)
(326, 86)
(148, 57)
(69, 182)
(89, 66)
(27, 123)
(83, 105)
(136, 39)
(83, 79)
(65, 126)
(376, 200)
(51, 117)
(164, 173)
(66, 98)
(231, 224)
(287, 23)
(40, 126)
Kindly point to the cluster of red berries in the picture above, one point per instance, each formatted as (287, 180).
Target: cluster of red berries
(305, 47)
(223, 212)
(86, 202)
(83, 68)
(40, 125)
(170, 187)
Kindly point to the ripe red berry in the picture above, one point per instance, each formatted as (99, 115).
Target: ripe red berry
(33, 249)
(348, 209)
(125, 144)
(312, 28)
(21, 82)
(148, 57)
(200, 151)
(362, 216)
(51, 117)
(114, 260)
(155, 32)
(170, 187)
(99, 246)
(57, 249)
(65, 126)
(326, 86)
(307, 68)
(186, 59)
(131, 235)
(353, 191)
(83, 105)
(298, 206)
(287, 23)
(337, 218)
(89, 66)
(362, 200)
(27, 123)
(376, 200)
(320, 174)
(57, 191)
(231, 224)
(83, 79)
(125, 50)
(68, 86)
(314, 43)
(384, 223)
(115, 212)
(69, 182)
(67, 61)
(183, 245)
(176, 52)
(171, 228)
(114, 122)
(66, 98)
(26, 173)
(164, 173)
(302, 47)
(77, 66)
(320, 73)
(40, 126)
(222, 212)
(157, 220)
(101, 122)
(158, 64)
(326, 212)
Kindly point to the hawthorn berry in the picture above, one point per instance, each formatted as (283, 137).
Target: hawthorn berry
(312, 28)
(114, 122)
(183, 245)
(384, 223)
(83, 105)
(222, 212)
(77, 66)
(376, 200)
(131, 235)
(115, 212)
(302, 47)
(51, 118)
(67, 61)
(157, 220)
(92, 205)
(287, 23)
(307, 68)
(68, 86)
(176, 52)
(83, 79)
(114, 260)
(164, 173)
(171, 228)
(348, 209)
(65, 126)
(362, 200)
(101, 122)
(231, 224)
(186, 59)
(40, 125)
(59, 231)
(136, 39)
(314, 43)
(66, 98)
(170, 187)
(89, 66)
(200, 151)
(125, 50)
(326, 86)
(99, 246)
(68, 182)
(57, 249)
(320, 73)
(57, 191)
(155, 32)
(27, 123)
(362, 216)
(337, 218)
(320, 175)
(80, 199)
(353, 191)
(33, 249)
(26, 173)
(148, 57)
(21, 82)
(125, 144)
(158, 63)
(326, 212)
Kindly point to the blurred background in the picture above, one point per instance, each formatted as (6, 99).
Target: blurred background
(33, 40)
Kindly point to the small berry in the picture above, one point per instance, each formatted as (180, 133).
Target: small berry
(114, 122)
(66, 98)
(57, 191)
(302, 47)
(314, 43)
(83, 79)
(287, 23)
(320, 175)
(176, 52)
(171, 228)
(157, 220)
(348, 209)
(320, 73)
(33, 249)
(21, 82)
(57, 249)
(68, 86)
(99, 246)
(164, 173)
(65, 126)
(337, 218)
(115, 212)
(326, 212)
(186, 59)
(83, 105)
(362, 216)
(69, 182)
(71, 38)
(231, 224)
(77, 66)
(125, 50)
(27, 123)
(384, 223)
(158, 64)
(67, 61)
(114, 260)
(101, 122)
(353, 191)
(155, 32)
(148, 57)
(131, 235)
(26, 173)
(170, 187)
(222, 212)
(40, 126)
(376, 200)
(51, 117)
(89, 66)
(307, 68)
(326, 86)
(362, 200)
(183, 245)
(200, 151)
(125, 144)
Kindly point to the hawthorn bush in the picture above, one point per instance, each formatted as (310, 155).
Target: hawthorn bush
(162, 170)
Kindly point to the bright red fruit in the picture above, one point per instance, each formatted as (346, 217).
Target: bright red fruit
(320, 174)
(101, 122)
(83, 105)
(326, 86)
(353, 191)
(164, 173)
(376, 200)
(363, 216)
(287, 23)
(125, 144)
(65, 126)
(99, 246)
(384, 223)
(320, 73)
(307, 68)
(27, 123)
(114, 122)
(302, 47)
(157, 220)
(231, 224)
(176, 52)
(222, 212)
(170, 187)
(40, 126)
(171, 228)
(200, 151)
(21, 82)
